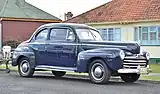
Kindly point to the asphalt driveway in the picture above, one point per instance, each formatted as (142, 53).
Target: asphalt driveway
(48, 84)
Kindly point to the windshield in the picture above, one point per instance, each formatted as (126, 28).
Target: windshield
(88, 34)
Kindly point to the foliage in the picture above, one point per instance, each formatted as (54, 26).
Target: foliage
(12, 43)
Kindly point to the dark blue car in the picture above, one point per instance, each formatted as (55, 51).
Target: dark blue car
(62, 47)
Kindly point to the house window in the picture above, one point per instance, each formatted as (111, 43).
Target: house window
(111, 34)
(147, 35)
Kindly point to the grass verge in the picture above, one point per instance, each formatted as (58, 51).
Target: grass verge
(152, 78)
(155, 68)
(3, 66)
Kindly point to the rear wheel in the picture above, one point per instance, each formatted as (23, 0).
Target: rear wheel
(130, 78)
(58, 73)
(24, 67)
(99, 72)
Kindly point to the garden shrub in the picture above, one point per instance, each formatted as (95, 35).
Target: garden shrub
(12, 43)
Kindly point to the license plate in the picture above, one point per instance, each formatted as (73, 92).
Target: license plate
(143, 71)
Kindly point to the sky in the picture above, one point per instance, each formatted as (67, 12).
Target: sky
(59, 7)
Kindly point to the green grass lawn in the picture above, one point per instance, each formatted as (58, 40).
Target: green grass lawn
(153, 78)
(155, 68)
(11, 67)
(2, 66)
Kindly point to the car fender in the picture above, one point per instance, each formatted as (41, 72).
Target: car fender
(109, 55)
(23, 52)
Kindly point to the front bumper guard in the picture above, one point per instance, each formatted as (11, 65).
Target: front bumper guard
(139, 70)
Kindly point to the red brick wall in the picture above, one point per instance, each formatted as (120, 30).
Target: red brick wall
(18, 30)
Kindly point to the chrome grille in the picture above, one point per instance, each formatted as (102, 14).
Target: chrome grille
(132, 62)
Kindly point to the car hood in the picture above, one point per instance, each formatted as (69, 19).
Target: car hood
(134, 48)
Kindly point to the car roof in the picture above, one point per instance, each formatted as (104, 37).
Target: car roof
(73, 25)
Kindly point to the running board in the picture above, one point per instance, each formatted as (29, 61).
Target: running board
(45, 67)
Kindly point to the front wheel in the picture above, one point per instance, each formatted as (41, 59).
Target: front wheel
(130, 78)
(24, 68)
(99, 73)
(58, 73)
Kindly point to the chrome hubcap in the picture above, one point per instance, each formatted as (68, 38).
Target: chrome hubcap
(98, 71)
(24, 66)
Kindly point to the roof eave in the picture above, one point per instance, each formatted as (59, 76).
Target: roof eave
(123, 22)
(29, 19)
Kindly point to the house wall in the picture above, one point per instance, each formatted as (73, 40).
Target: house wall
(18, 30)
(127, 34)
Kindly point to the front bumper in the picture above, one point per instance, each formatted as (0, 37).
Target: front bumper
(139, 70)
(135, 64)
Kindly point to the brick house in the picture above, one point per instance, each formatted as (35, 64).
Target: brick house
(18, 19)
(127, 20)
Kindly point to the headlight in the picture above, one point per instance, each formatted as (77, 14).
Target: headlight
(142, 51)
(147, 56)
(122, 54)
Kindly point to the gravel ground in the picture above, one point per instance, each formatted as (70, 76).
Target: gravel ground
(47, 84)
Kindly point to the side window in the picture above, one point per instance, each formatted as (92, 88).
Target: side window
(62, 34)
(70, 35)
(42, 35)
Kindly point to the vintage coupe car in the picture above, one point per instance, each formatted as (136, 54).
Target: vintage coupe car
(62, 47)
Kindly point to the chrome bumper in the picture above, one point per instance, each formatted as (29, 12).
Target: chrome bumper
(139, 70)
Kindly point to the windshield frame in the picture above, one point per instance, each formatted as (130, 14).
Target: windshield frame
(93, 35)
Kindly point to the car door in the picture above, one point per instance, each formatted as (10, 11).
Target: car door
(62, 47)
(39, 46)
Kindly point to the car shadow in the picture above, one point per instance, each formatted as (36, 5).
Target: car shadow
(79, 79)
(64, 78)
